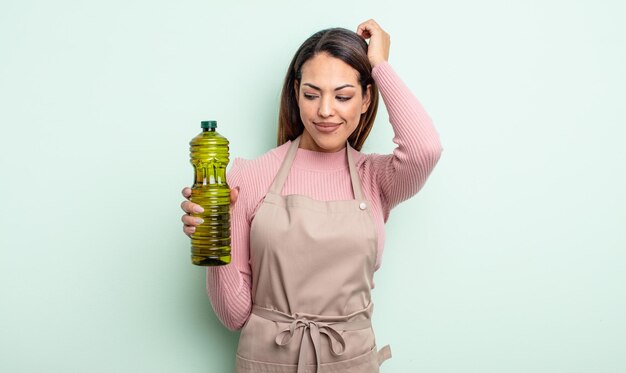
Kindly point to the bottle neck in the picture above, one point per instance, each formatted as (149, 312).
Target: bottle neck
(208, 130)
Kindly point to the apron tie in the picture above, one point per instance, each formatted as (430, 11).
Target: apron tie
(311, 332)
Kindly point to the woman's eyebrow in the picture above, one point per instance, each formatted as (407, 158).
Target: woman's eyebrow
(336, 89)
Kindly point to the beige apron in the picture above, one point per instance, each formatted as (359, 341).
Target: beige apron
(312, 268)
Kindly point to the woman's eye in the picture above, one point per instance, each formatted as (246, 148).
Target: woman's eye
(309, 96)
(343, 98)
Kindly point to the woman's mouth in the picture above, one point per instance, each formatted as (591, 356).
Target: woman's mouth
(326, 127)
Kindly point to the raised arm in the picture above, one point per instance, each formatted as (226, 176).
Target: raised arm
(403, 173)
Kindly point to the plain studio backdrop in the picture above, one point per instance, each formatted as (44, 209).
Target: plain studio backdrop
(511, 259)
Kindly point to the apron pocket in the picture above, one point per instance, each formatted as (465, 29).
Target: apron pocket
(243, 365)
(366, 363)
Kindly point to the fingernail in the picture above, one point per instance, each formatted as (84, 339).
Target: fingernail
(198, 209)
(199, 221)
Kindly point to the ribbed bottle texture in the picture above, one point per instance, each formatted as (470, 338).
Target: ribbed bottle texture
(210, 243)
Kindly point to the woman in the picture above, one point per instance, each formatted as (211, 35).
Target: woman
(308, 225)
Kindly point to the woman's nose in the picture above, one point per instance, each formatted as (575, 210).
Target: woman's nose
(326, 107)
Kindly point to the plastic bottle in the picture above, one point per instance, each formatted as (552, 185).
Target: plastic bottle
(210, 243)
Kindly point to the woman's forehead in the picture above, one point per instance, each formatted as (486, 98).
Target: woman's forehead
(325, 69)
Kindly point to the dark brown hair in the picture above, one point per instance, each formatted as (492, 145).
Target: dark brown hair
(346, 46)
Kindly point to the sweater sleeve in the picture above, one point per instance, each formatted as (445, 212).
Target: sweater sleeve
(402, 174)
(229, 286)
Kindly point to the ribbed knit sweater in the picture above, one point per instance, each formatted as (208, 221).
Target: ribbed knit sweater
(387, 180)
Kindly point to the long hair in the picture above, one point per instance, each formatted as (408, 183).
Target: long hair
(346, 46)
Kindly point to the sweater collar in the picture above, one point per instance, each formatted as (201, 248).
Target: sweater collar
(319, 161)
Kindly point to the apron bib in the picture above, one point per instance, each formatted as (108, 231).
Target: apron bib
(312, 270)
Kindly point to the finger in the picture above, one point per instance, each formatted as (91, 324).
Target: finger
(365, 25)
(363, 32)
(189, 230)
(373, 23)
(186, 192)
(189, 220)
(368, 28)
(191, 208)
(234, 195)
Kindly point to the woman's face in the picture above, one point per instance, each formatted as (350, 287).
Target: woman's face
(331, 102)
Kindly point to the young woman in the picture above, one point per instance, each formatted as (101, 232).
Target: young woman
(308, 222)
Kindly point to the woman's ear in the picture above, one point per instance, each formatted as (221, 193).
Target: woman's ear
(367, 99)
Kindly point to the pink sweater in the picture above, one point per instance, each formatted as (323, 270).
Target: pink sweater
(387, 180)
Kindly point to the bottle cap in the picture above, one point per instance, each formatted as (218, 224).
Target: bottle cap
(209, 124)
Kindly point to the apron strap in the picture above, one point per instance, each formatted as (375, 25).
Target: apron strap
(354, 176)
(283, 172)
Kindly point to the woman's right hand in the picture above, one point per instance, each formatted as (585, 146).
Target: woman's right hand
(189, 221)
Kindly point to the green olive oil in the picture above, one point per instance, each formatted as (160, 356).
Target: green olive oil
(209, 153)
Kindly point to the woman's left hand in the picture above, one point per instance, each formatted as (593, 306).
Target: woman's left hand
(378, 50)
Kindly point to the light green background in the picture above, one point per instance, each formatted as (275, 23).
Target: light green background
(511, 259)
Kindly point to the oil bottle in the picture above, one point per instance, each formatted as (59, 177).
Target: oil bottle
(209, 155)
